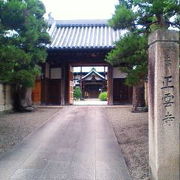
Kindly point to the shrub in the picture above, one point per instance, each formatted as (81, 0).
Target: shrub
(77, 93)
(103, 96)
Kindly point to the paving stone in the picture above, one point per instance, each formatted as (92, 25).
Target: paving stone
(56, 170)
(110, 170)
(82, 170)
(35, 163)
(26, 174)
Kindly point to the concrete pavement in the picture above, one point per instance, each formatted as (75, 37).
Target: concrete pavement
(89, 102)
(77, 144)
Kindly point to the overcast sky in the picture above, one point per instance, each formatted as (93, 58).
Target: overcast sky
(87, 69)
(80, 9)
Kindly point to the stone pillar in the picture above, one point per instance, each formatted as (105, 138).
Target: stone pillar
(163, 100)
(110, 85)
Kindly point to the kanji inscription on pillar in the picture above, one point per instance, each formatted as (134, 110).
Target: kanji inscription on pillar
(168, 93)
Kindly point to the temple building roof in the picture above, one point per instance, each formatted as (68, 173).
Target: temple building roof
(82, 34)
(93, 75)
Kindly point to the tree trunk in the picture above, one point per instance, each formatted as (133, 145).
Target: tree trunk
(22, 99)
(161, 21)
(26, 101)
(138, 98)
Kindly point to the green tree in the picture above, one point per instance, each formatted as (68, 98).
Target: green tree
(103, 96)
(77, 93)
(23, 38)
(139, 18)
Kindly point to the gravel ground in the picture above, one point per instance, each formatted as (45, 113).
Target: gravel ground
(131, 130)
(16, 126)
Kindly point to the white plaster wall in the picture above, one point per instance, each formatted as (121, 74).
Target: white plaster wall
(118, 74)
(8, 101)
(5, 97)
(1, 98)
(56, 73)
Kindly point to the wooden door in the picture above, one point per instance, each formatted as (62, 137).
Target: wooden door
(120, 91)
(93, 90)
(110, 85)
(54, 92)
(36, 92)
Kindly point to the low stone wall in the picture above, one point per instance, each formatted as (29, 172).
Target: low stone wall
(5, 97)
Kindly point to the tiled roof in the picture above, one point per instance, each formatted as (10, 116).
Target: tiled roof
(82, 34)
(93, 70)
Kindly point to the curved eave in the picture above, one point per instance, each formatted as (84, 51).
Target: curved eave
(81, 48)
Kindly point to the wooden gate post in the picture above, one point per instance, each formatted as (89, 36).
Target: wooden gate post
(110, 85)
(163, 79)
(63, 81)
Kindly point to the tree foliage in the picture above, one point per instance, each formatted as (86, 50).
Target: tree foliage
(130, 54)
(103, 96)
(142, 14)
(77, 93)
(139, 18)
(23, 38)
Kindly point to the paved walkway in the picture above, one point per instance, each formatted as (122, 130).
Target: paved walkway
(77, 144)
(87, 102)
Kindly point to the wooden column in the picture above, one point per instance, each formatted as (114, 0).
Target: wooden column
(81, 87)
(110, 85)
(44, 81)
(63, 83)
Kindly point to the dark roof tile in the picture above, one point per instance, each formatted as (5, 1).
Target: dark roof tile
(86, 34)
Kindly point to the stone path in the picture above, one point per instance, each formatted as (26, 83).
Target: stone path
(77, 144)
